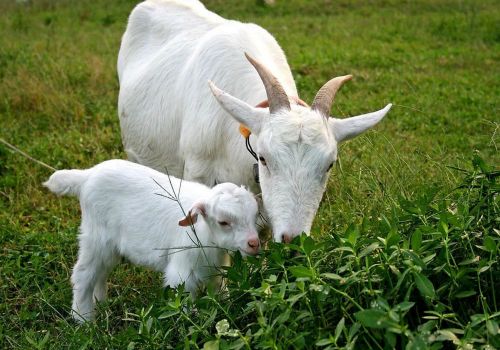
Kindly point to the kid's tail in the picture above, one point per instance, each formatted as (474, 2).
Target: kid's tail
(67, 182)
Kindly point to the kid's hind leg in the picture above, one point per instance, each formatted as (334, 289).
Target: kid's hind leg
(101, 288)
(83, 280)
(95, 260)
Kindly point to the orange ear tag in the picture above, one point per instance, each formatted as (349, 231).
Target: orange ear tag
(244, 131)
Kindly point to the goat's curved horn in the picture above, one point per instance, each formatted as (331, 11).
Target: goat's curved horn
(324, 98)
(275, 93)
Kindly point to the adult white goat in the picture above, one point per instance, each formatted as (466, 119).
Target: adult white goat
(123, 215)
(170, 121)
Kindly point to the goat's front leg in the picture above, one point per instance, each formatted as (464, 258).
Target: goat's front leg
(197, 170)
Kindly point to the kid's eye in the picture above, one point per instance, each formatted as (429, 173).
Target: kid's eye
(223, 223)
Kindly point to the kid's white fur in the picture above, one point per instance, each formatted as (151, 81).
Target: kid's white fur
(125, 213)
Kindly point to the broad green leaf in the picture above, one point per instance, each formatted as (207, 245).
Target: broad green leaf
(369, 249)
(465, 294)
(424, 285)
(331, 276)
(283, 317)
(489, 244)
(303, 315)
(301, 271)
(405, 305)
(484, 268)
(294, 298)
(324, 342)
(344, 249)
(339, 329)
(237, 344)
(47, 335)
(470, 261)
(393, 239)
(353, 331)
(415, 259)
(383, 303)
(372, 318)
(416, 240)
(393, 315)
(492, 327)
(390, 339)
(445, 334)
(477, 319)
(211, 345)
(308, 245)
(352, 234)
(443, 225)
(31, 341)
(417, 343)
(427, 326)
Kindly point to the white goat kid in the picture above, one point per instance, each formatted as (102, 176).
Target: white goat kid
(170, 121)
(123, 215)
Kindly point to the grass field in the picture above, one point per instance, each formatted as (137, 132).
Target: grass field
(405, 245)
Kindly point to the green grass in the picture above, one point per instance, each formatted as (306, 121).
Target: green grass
(405, 245)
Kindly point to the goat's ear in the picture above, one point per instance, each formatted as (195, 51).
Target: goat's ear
(345, 129)
(192, 215)
(245, 114)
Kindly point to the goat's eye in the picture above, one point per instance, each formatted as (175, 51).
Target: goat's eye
(331, 165)
(262, 160)
(223, 223)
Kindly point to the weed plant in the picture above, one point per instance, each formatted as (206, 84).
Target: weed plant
(424, 275)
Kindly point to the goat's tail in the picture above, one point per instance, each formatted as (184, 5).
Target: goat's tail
(67, 182)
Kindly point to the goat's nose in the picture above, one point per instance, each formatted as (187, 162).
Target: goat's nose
(286, 238)
(254, 243)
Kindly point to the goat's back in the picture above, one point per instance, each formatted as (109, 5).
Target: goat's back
(154, 23)
(168, 115)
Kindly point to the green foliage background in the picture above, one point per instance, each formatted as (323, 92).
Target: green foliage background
(400, 256)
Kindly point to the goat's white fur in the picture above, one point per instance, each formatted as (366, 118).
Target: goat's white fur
(170, 120)
(125, 213)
